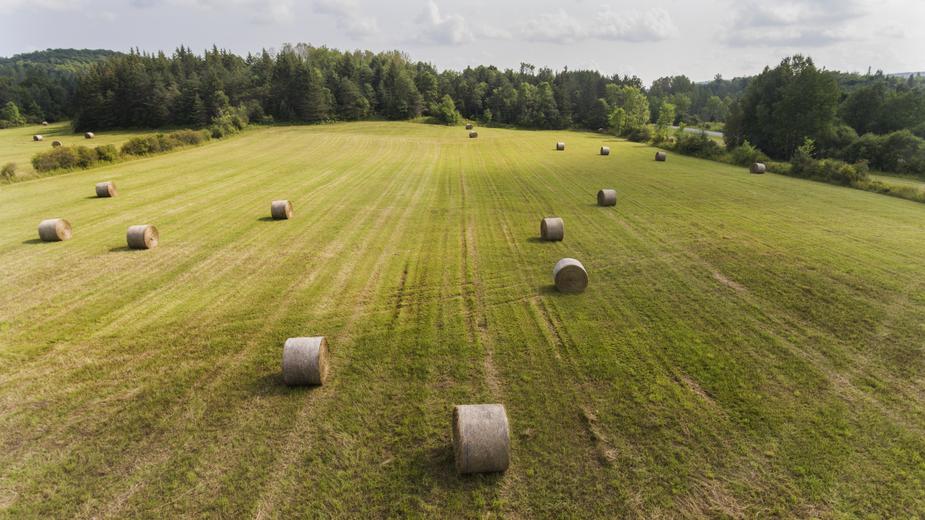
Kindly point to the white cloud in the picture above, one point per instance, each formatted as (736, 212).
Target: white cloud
(349, 19)
(792, 23)
(648, 26)
(437, 28)
(558, 27)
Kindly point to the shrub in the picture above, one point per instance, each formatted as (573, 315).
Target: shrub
(900, 152)
(640, 134)
(827, 170)
(746, 154)
(86, 157)
(190, 137)
(141, 146)
(698, 145)
(106, 153)
(229, 121)
(62, 157)
(8, 171)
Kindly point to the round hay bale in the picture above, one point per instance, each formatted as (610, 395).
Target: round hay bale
(144, 236)
(89, 135)
(37, 137)
(605, 150)
(55, 144)
(661, 156)
(468, 126)
(305, 361)
(281, 210)
(481, 438)
(607, 197)
(570, 276)
(552, 228)
(473, 135)
(54, 230)
(560, 146)
(44, 123)
(106, 189)
(758, 168)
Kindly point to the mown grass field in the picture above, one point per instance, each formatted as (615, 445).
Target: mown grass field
(17, 146)
(749, 345)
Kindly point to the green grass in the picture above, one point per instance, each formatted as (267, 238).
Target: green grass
(17, 146)
(900, 181)
(749, 345)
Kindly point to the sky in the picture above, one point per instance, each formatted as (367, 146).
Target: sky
(698, 38)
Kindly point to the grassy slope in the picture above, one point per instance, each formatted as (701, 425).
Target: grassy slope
(748, 346)
(16, 144)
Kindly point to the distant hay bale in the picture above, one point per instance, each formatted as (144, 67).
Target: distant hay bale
(44, 123)
(560, 146)
(468, 126)
(570, 276)
(661, 156)
(144, 236)
(481, 438)
(473, 135)
(37, 137)
(54, 230)
(605, 150)
(305, 361)
(758, 168)
(281, 210)
(89, 135)
(55, 144)
(552, 228)
(106, 189)
(606, 197)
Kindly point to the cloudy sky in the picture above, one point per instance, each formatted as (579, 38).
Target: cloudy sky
(698, 38)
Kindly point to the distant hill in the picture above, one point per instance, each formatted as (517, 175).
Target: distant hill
(906, 74)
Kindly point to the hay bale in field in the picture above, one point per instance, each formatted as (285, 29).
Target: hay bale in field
(560, 146)
(481, 438)
(54, 230)
(55, 144)
(473, 135)
(44, 123)
(37, 137)
(607, 197)
(106, 189)
(661, 156)
(281, 210)
(144, 236)
(468, 126)
(552, 228)
(305, 361)
(605, 150)
(89, 135)
(758, 168)
(570, 276)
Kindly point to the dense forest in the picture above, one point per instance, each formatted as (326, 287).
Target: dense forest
(869, 117)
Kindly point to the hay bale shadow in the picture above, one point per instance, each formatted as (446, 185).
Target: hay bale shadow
(271, 384)
(549, 289)
(537, 240)
(32, 241)
(121, 249)
(266, 219)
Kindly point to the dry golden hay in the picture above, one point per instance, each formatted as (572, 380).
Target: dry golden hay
(607, 197)
(481, 438)
(758, 168)
(560, 146)
(305, 361)
(605, 150)
(570, 276)
(54, 230)
(552, 228)
(661, 156)
(106, 189)
(473, 135)
(144, 236)
(281, 209)
(89, 135)
(37, 137)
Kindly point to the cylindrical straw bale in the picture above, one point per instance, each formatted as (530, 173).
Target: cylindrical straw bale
(605, 150)
(55, 144)
(560, 146)
(89, 135)
(281, 209)
(468, 126)
(481, 438)
(661, 156)
(144, 236)
(570, 276)
(758, 168)
(305, 361)
(44, 123)
(37, 137)
(607, 197)
(106, 189)
(552, 228)
(473, 135)
(54, 230)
